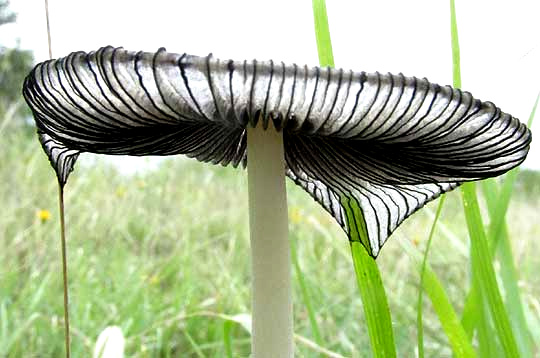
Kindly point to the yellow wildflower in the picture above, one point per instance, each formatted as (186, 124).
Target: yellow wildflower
(43, 215)
(295, 215)
(154, 280)
(121, 191)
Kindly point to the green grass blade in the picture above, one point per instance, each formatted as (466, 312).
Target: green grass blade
(476, 316)
(487, 343)
(419, 322)
(459, 341)
(374, 302)
(484, 275)
(509, 277)
(498, 237)
(456, 58)
(508, 273)
(227, 338)
(322, 33)
(473, 301)
(470, 315)
(197, 351)
(368, 277)
(498, 234)
(429, 282)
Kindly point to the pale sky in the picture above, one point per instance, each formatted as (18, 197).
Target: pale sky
(500, 40)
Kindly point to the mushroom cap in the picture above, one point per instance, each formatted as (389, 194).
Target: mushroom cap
(371, 148)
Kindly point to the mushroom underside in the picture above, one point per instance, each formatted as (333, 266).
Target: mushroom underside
(370, 148)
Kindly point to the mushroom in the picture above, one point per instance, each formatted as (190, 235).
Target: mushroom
(370, 148)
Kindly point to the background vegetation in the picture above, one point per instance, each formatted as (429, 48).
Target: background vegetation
(164, 254)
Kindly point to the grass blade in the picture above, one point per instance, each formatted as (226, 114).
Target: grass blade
(374, 302)
(322, 33)
(498, 235)
(509, 276)
(368, 277)
(456, 57)
(197, 351)
(459, 341)
(227, 338)
(470, 315)
(483, 272)
(473, 300)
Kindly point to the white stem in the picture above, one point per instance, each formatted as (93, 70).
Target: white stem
(272, 321)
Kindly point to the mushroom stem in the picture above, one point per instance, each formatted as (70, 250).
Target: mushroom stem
(272, 321)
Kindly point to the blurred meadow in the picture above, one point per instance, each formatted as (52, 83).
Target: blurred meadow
(164, 254)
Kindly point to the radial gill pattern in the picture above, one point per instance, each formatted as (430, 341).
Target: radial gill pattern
(371, 148)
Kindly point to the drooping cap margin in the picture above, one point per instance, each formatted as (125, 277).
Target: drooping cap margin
(370, 148)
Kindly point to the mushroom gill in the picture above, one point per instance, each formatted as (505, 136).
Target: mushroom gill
(378, 146)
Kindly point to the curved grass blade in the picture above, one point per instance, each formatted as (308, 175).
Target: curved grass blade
(368, 277)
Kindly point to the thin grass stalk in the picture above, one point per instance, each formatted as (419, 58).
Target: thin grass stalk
(64, 267)
(62, 219)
